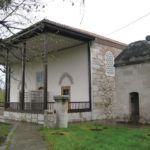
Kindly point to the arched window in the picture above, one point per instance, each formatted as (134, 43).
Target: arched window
(109, 62)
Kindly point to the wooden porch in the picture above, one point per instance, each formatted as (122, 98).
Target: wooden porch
(31, 43)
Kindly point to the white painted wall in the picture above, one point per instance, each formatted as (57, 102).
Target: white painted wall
(73, 61)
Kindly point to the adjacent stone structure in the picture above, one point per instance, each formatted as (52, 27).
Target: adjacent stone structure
(133, 83)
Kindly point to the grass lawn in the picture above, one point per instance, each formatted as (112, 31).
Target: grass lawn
(4, 130)
(2, 93)
(82, 137)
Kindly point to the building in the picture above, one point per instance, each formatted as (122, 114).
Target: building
(133, 83)
(49, 59)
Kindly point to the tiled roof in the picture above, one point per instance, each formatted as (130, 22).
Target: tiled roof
(100, 39)
(68, 31)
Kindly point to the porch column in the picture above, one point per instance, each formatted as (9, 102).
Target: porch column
(45, 70)
(6, 80)
(23, 76)
(89, 75)
(8, 86)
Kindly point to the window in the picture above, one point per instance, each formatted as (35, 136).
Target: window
(65, 90)
(109, 61)
(40, 79)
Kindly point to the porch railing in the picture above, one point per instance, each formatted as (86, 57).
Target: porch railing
(39, 107)
(78, 107)
(28, 107)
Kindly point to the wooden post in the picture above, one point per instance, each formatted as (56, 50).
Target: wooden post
(45, 70)
(89, 75)
(45, 86)
(6, 81)
(23, 77)
(8, 91)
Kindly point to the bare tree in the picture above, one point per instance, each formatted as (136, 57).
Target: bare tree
(14, 16)
(4, 3)
(17, 14)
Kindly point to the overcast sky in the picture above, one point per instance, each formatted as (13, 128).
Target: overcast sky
(104, 16)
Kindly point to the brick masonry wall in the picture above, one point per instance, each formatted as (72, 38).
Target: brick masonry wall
(103, 86)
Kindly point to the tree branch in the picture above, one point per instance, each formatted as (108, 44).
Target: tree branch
(15, 9)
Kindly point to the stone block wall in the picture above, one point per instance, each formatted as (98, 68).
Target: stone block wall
(80, 116)
(39, 118)
(27, 117)
(103, 86)
(133, 78)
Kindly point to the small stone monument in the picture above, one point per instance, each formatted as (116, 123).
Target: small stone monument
(61, 111)
(49, 119)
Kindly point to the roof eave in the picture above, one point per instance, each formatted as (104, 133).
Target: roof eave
(46, 26)
(110, 42)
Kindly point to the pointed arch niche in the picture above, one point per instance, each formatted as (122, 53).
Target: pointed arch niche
(65, 76)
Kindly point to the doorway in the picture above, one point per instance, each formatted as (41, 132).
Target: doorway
(134, 101)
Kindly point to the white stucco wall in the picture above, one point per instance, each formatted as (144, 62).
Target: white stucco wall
(133, 78)
(73, 61)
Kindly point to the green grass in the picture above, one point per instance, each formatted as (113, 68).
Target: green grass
(4, 130)
(81, 137)
(2, 93)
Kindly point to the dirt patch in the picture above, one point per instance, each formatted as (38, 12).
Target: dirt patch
(148, 134)
(99, 129)
(57, 133)
(94, 129)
